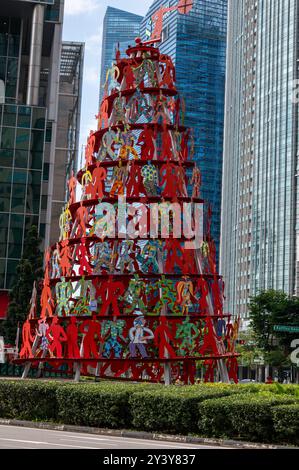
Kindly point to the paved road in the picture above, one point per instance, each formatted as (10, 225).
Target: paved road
(15, 437)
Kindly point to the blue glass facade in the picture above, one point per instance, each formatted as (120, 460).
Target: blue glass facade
(119, 27)
(197, 44)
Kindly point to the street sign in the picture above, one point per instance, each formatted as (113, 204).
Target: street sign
(286, 328)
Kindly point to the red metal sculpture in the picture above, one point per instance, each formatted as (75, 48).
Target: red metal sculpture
(123, 295)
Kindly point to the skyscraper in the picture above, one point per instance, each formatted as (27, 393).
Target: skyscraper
(259, 245)
(119, 27)
(30, 44)
(68, 127)
(197, 44)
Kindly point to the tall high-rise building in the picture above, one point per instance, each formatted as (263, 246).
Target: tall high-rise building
(259, 244)
(30, 45)
(197, 44)
(119, 27)
(68, 127)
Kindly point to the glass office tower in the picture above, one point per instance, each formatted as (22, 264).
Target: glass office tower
(119, 27)
(259, 246)
(30, 42)
(197, 44)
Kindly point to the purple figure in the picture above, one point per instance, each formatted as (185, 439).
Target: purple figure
(137, 338)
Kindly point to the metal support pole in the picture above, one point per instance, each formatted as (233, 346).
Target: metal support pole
(35, 55)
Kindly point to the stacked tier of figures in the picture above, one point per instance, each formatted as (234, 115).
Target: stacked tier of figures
(131, 288)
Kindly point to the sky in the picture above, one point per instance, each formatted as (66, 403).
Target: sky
(83, 21)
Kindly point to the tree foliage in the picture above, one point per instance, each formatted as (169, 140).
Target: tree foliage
(28, 270)
(271, 308)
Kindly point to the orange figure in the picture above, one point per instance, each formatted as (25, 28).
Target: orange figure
(28, 339)
(162, 336)
(73, 351)
(46, 301)
(98, 176)
(89, 150)
(90, 348)
(65, 256)
(185, 6)
(157, 20)
(103, 114)
(57, 335)
(72, 183)
(82, 217)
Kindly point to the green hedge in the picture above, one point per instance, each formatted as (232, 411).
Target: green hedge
(286, 422)
(30, 400)
(211, 410)
(244, 416)
(94, 405)
(172, 409)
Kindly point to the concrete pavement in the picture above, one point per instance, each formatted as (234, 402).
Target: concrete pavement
(15, 437)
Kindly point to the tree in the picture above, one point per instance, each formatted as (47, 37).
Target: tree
(271, 308)
(28, 270)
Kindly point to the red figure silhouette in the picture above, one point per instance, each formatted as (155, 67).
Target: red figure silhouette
(73, 351)
(65, 256)
(209, 374)
(184, 146)
(98, 176)
(189, 371)
(162, 336)
(157, 20)
(82, 217)
(217, 296)
(103, 117)
(129, 76)
(57, 335)
(146, 142)
(28, 339)
(83, 258)
(168, 77)
(209, 338)
(46, 301)
(184, 6)
(173, 255)
(89, 150)
(232, 368)
(189, 263)
(109, 292)
(166, 151)
(134, 182)
(203, 289)
(90, 346)
(72, 182)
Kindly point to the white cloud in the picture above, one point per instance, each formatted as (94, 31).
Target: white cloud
(93, 43)
(92, 75)
(76, 7)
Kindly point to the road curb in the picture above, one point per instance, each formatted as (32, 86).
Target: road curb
(141, 435)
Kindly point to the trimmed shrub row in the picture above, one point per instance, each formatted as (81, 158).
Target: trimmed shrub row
(210, 410)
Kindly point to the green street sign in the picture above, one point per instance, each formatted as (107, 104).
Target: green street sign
(286, 328)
